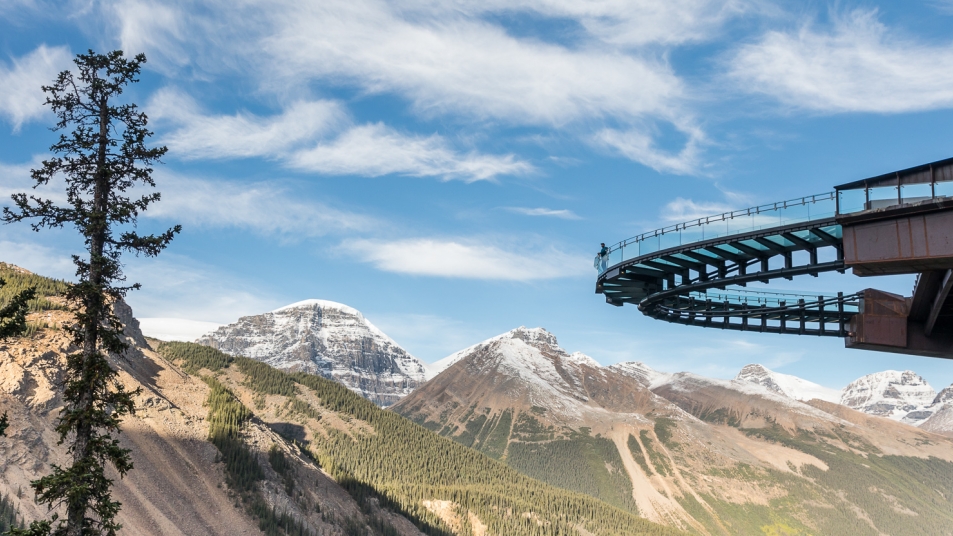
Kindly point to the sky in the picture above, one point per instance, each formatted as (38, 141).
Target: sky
(449, 168)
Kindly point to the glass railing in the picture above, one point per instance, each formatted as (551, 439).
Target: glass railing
(771, 300)
(809, 208)
(893, 192)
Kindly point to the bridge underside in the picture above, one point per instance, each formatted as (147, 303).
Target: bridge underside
(702, 283)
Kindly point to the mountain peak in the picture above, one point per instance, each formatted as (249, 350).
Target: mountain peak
(891, 393)
(785, 384)
(325, 338)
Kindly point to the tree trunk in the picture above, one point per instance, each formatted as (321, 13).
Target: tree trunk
(93, 303)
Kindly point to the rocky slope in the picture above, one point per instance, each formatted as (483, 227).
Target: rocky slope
(230, 445)
(709, 456)
(178, 485)
(329, 339)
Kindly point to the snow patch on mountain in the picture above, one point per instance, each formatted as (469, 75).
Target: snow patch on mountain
(901, 396)
(329, 339)
(642, 373)
(786, 384)
(580, 358)
(532, 336)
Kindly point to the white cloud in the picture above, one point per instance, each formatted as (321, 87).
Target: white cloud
(22, 97)
(367, 150)
(641, 147)
(564, 214)
(467, 259)
(627, 23)
(38, 259)
(152, 26)
(265, 207)
(241, 135)
(374, 150)
(176, 286)
(859, 65)
(463, 65)
(449, 59)
(175, 329)
(681, 209)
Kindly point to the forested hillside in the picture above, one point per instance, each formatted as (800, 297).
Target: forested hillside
(382, 458)
(711, 456)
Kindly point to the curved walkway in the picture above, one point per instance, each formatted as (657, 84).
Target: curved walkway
(688, 278)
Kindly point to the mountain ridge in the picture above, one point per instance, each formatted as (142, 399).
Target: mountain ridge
(681, 449)
(329, 339)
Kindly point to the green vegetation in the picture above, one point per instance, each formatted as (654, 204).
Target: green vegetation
(226, 416)
(663, 431)
(638, 455)
(9, 515)
(583, 463)
(18, 281)
(658, 459)
(400, 464)
(102, 158)
(278, 462)
(195, 357)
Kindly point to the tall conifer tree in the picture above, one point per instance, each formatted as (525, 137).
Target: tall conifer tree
(101, 155)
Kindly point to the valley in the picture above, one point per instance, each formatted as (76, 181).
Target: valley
(274, 425)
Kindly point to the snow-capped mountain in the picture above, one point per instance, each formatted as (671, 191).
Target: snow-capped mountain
(786, 384)
(326, 338)
(901, 396)
(645, 434)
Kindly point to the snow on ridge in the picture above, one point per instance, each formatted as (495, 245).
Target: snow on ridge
(324, 304)
(580, 358)
(787, 384)
(522, 333)
(642, 373)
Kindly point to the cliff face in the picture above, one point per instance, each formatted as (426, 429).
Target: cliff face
(329, 339)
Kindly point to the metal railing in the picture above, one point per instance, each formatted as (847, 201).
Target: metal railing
(803, 209)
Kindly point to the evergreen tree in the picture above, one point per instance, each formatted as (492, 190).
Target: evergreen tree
(12, 323)
(102, 155)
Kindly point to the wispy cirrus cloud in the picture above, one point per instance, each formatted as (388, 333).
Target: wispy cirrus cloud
(629, 23)
(375, 150)
(856, 65)
(21, 99)
(195, 134)
(564, 214)
(466, 259)
(319, 136)
(641, 147)
(264, 208)
(453, 61)
(681, 209)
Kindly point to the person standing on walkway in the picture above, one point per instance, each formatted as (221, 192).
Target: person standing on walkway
(603, 258)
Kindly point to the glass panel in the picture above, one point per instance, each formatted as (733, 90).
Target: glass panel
(915, 193)
(944, 189)
(820, 210)
(851, 201)
(670, 240)
(882, 197)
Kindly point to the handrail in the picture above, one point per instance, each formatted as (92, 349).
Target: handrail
(752, 211)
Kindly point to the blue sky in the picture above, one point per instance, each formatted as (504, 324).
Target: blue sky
(449, 168)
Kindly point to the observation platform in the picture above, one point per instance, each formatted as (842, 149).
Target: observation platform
(696, 272)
